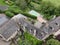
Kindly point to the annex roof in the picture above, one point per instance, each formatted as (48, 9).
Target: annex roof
(8, 29)
(3, 19)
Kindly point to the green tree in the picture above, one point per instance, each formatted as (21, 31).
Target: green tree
(47, 8)
(35, 6)
(57, 11)
(53, 42)
(21, 3)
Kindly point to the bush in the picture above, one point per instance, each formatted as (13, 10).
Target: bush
(14, 9)
(9, 14)
(48, 17)
(53, 42)
(37, 1)
(35, 6)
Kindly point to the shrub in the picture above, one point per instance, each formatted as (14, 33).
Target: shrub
(14, 9)
(48, 17)
(37, 1)
(9, 14)
(35, 6)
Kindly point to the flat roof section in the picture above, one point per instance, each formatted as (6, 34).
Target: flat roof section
(34, 13)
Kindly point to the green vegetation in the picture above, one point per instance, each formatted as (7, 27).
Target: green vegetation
(30, 40)
(28, 15)
(50, 8)
(35, 6)
(9, 14)
(53, 42)
(14, 9)
(55, 2)
(21, 3)
(37, 1)
(2, 2)
(47, 9)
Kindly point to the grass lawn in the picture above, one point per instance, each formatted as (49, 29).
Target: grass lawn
(2, 2)
(55, 2)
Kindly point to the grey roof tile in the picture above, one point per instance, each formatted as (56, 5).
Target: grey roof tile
(9, 29)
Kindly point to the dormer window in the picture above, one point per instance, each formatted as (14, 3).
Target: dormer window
(24, 18)
(57, 24)
(51, 28)
(43, 22)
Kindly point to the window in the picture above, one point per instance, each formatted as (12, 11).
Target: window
(57, 24)
(43, 22)
(0, 37)
(51, 28)
(31, 29)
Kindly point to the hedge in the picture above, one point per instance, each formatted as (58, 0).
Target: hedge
(9, 14)
(28, 15)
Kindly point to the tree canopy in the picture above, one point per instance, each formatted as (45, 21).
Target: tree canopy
(53, 42)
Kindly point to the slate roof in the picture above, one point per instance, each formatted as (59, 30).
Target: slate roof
(38, 24)
(3, 19)
(55, 24)
(52, 26)
(8, 29)
(57, 33)
(30, 28)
